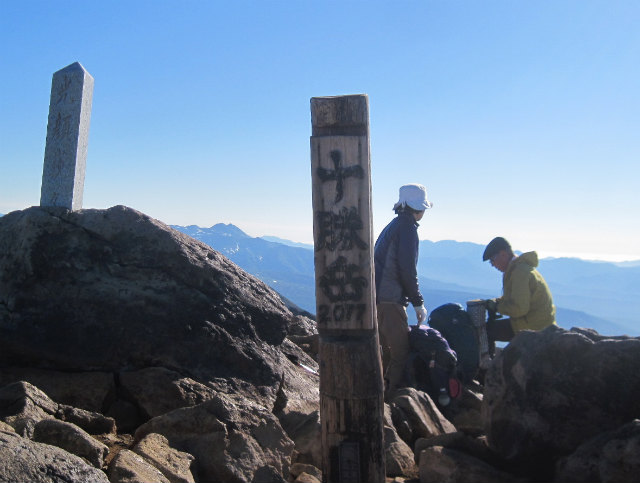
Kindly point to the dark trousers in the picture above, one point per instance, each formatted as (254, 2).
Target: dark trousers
(500, 329)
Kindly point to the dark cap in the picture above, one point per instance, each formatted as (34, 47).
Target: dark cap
(495, 246)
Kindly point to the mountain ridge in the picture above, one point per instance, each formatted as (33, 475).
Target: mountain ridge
(450, 271)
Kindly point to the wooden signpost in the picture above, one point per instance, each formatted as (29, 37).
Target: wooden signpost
(351, 384)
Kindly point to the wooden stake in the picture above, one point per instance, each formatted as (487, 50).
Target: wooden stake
(351, 384)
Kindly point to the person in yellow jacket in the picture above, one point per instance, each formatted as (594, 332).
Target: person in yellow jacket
(526, 297)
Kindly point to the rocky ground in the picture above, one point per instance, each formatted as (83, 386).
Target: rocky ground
(132, 353)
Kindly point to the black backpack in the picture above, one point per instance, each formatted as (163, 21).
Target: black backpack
(455, 325)
(432, 364)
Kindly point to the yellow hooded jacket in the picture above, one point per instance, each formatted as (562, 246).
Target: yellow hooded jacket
(526, 298)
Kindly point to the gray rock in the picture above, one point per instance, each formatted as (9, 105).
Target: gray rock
(442, 465)
(268, 474)
(307, 478)
(459, 441)
(550, 391)
(83, 390)
(92, 423)
(415, 416)
(399, 459)
(465, 413)
(301, 325)
(299, 416)
(129, 467)
(230, 439)
(131, 293)
(310, 344)
(22, 405)
(173, 464)
(157, 390)
(612, 457)
(23, 460)
(303, 427)
(72, 439)
(297, 406)
(299, 468)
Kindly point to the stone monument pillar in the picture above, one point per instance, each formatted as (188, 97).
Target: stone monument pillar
(65, 154)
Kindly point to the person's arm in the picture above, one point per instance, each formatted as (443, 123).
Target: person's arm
(407, 261)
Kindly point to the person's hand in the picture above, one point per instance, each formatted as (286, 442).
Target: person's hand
(421, 314)
(491, 305)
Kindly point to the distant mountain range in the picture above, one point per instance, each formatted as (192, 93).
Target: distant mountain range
(598, 295)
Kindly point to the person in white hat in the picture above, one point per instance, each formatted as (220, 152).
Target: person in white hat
(396, 259)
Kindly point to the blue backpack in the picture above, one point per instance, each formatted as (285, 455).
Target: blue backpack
(455, 325)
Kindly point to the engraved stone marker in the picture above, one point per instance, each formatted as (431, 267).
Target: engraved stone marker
(65, 154)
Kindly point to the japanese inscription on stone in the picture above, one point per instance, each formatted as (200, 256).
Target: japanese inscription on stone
(65, 153)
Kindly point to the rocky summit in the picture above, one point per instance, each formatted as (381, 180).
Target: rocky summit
(115, 313)
(115, 289)
(130, 352)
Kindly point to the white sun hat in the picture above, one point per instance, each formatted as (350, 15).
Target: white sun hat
(415, 196)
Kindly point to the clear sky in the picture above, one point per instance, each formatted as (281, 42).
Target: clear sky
(522, 118)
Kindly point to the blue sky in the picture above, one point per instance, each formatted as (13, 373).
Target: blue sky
(521, 118)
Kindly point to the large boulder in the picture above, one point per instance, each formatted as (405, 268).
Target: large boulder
(72, 439)
(311, 471)
(399, 459)
(463, 443)
(445, 465)
(97, 387)
(550, 391)
(115, 290)
(302, 425)
(173, 464)
(92, 423)
(232, 440)
(24, 460)
(613, 456)
(23, 405)
(299, 413)
(157, 390)
(415, 415)
(129, 467)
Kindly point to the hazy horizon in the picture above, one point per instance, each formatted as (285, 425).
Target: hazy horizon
(541, 254)
(595, 257)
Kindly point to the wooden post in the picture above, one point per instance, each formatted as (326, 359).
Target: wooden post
(351, 384)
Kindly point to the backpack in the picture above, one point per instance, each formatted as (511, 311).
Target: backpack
(432, 364)
(456, 326)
